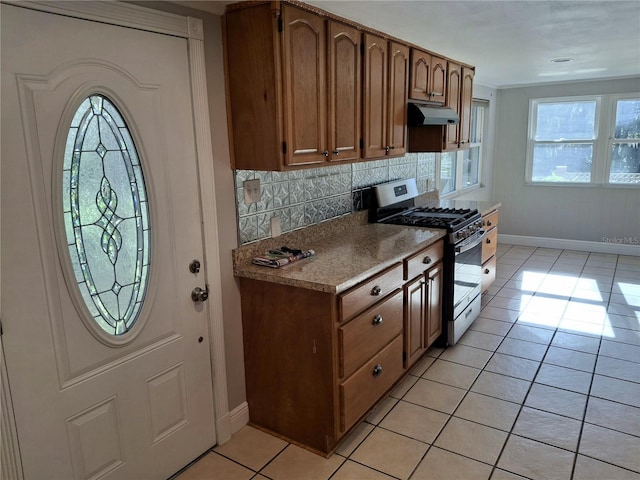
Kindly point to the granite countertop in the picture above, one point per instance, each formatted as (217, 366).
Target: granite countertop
(347, 251)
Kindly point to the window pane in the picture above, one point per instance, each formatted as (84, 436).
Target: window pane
(564, 162)
(625, 163)
(447, 172)
(628, 119)
(470, 167)
(566, 121)
(106, 216)
(477, 121)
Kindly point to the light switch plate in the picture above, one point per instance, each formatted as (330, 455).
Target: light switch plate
(251, 191)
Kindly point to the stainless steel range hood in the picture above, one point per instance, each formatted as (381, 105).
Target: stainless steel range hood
(424, 115)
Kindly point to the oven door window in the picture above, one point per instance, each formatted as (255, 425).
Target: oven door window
(467, 274)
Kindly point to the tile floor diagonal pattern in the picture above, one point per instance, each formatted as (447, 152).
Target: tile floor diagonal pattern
(544, 385)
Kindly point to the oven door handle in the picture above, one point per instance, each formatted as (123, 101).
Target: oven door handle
(471, 242)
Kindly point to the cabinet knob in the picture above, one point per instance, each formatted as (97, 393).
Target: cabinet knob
(377, 320)
(427, 260)
(487, 271)
(375, 291)
(336, 152)
(488, 240)
(325, 153)
(377, 370)
(489, 223)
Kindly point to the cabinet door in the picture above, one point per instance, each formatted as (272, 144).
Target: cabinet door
(438, 79)
(453, 101)
(304, 75)
(466, 100)
(433, 327)
(398, 92)
(414, 320)
(345, 90)
(419, 76)
(376, 67)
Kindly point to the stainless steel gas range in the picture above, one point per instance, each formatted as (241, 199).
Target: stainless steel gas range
(394, 203)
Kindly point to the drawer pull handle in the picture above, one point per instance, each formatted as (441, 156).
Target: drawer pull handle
(377, 370)
(377, 320)
(487, 271)
(427, 260)
(375, 291)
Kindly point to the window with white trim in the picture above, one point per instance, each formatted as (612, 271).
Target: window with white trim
(593, 140)
(461, 170)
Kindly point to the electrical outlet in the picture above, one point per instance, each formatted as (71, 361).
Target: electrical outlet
(251, 191)
(275, 227)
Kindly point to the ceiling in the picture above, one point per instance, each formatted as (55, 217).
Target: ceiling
(511, 43)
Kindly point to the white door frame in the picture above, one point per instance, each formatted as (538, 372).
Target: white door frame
(190, 28)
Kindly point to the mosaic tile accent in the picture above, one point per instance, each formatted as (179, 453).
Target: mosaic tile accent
(302, 198)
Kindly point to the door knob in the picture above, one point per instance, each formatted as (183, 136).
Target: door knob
(200, 295)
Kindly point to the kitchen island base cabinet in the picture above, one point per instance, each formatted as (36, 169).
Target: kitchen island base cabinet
(289, 357)
(311, 371)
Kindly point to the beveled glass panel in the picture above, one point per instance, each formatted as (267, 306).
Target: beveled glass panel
(106, 215)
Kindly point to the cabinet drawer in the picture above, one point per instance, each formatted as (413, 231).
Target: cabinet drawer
(488, 273)
(366, 334)
(370, 291)
(490, 244)
(491, 220)
(423, 260)
(365, 387)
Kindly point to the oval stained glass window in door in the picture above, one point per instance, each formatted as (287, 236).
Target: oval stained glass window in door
(106, 215)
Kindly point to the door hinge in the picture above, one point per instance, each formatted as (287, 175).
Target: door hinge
(361, 144)
(404, 356)
(280, 26)
(284, 148)
(362, 49)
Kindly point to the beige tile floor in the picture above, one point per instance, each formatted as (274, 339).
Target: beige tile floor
(545, 385)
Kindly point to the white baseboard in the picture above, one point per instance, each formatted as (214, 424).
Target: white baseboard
(239, 417)
(561, 243)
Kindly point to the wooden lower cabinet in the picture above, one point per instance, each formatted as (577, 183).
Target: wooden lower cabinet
(316, 363)
(489, 249)
(423, 313)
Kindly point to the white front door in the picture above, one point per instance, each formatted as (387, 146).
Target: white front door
(107, 353)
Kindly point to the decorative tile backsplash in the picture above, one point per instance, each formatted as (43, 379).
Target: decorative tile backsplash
(305, 197)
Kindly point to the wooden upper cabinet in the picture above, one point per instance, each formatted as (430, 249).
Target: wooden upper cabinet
(305, 92)
(376, 67)
(466, 103)
(428, 77)
(454, 78)
(345, 92)
(295, 88)
(398, 92)
(305, 89)
(386, 76)
(438, 79)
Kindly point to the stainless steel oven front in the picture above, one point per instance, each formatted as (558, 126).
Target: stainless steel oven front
(466, 271)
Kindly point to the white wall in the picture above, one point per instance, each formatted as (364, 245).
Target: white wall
(564, 212)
